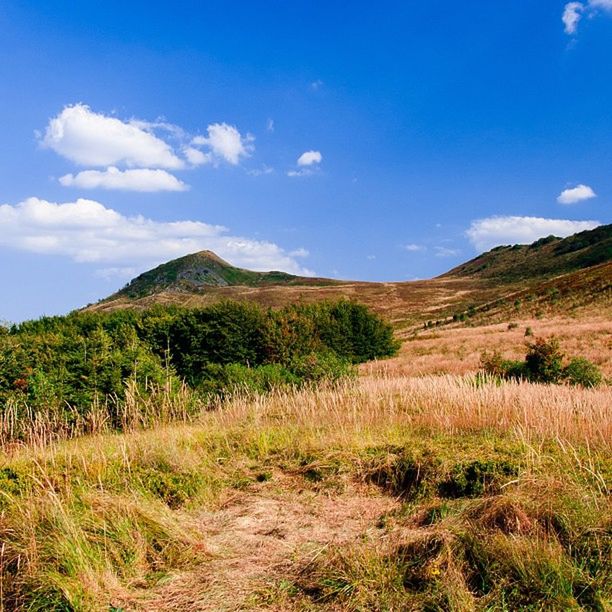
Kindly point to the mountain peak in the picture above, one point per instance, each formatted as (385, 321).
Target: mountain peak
(205, 269)
(211, 255)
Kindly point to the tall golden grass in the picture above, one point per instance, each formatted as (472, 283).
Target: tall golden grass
(457, 349)
(445, 404)
(87, 522)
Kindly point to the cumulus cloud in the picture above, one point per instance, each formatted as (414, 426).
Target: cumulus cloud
(487, 233)
(92, 139)
(145, 148)
(576, 194)
(196, 157)
(87, 231)
(308, 158)
(307, 164)
(141, 179)
(226, 142)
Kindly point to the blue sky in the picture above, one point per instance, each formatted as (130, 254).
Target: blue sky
(385, 141)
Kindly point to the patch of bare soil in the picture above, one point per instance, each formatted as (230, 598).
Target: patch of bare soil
(264, 534)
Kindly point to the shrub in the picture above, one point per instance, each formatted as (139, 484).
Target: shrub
(581, 371)
(544, 361)
(495, 365)
(221, 380)
(318, 367)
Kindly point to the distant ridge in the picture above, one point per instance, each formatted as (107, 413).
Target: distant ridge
(196, 272)
(550, 256)
(552, 274)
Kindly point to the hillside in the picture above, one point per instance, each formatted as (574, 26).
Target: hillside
(550, 256)
(195, 272)
(553, 273)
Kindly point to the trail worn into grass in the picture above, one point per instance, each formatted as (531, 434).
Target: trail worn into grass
(260, 536)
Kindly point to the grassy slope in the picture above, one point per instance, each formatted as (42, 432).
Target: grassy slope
(549, 273)
(202, 270)
(544, 258)
(502, 508)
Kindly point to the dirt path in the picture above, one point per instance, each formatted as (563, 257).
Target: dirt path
(263, 535)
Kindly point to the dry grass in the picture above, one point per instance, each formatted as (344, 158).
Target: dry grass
(101, 519)
(441, 404)
(457, 349)
(401, 303)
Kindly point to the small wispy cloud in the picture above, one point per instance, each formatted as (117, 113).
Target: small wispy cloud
(307, 162)
(442, 251)
(413, 248)
(226, 142)
(260, 171)
(573, 12)
(309, 158)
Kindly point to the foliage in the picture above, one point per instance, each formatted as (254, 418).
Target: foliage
(581, 371)
(69, 365)
(543, 361)
(543, 364)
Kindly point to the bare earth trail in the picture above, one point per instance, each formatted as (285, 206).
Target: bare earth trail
(265, 534)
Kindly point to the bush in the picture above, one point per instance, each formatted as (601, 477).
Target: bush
(318, 367)
(581, 371)
(495, 365)
(544, 361)
(544, 364)
(66, 366)
(221, 380)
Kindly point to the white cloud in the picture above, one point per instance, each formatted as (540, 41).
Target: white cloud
(316, 85)
(574, 11)
(572, 14)
(93, 139)
(601, 4)
(487, 233)
(302, 172)
(260, 171)
(196, 157)
(442, 251)
(87, 231)
(226, 142)
(414, 247)
(307, 163)
(141, 179)
(308, 158)
(270, 125)
(576, 194)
